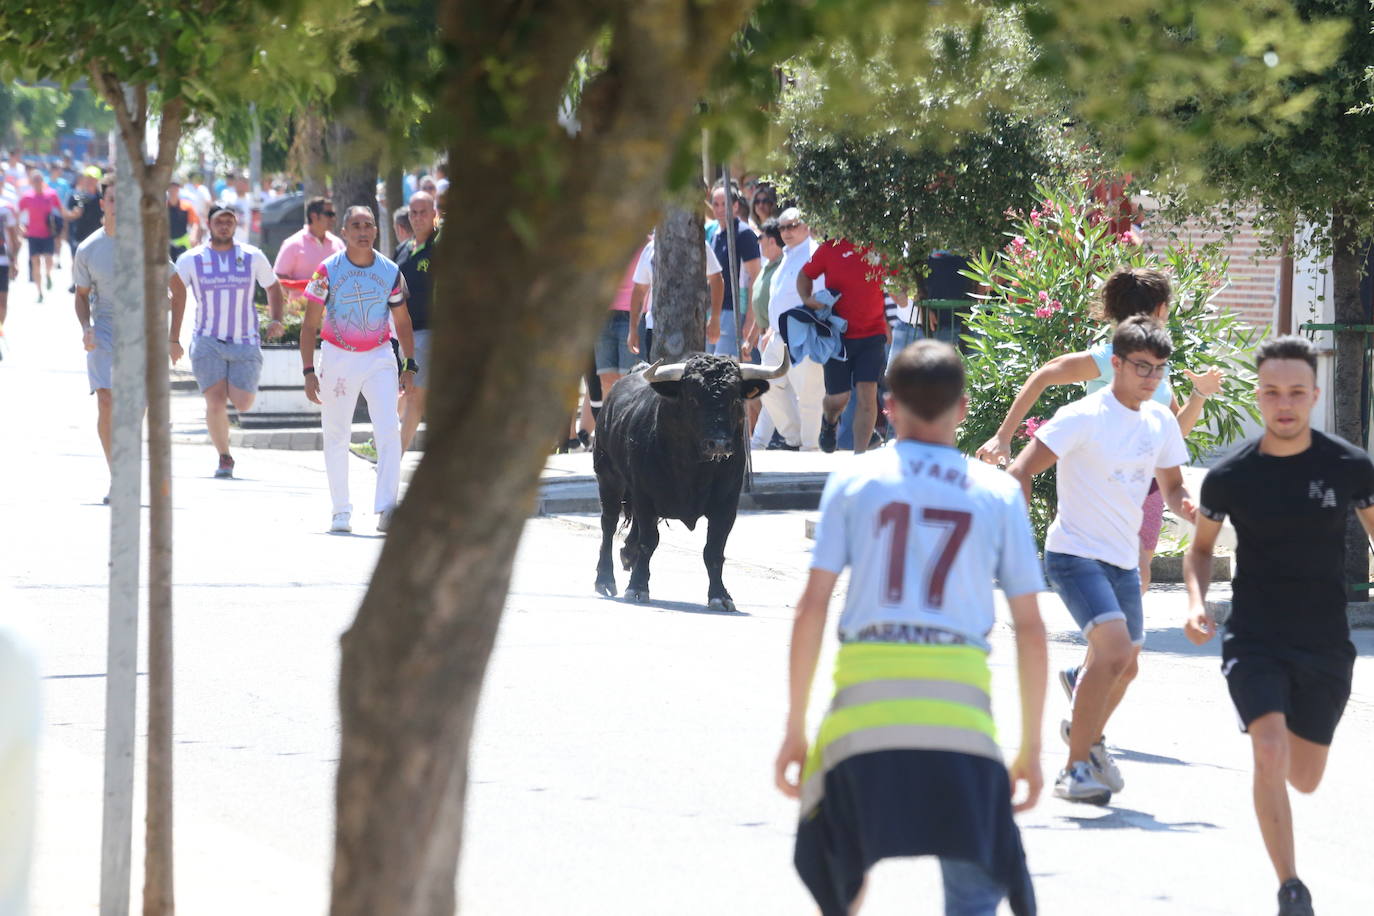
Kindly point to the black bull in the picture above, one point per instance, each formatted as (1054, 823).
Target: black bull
(672, 443)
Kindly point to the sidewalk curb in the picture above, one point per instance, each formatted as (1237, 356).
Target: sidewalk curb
(775, 492)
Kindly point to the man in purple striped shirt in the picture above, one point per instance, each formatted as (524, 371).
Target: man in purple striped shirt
(226, 354)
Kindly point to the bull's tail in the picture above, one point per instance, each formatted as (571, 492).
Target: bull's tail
(748, 454)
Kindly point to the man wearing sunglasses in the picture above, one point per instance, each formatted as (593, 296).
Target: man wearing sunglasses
(306, 250)
(1109, 445)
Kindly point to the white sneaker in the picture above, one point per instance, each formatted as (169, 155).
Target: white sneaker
(1078, 783)
(384, 520)
(341, 523)
(1103, 764)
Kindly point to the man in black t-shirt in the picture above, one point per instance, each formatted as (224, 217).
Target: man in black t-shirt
(413, 258)
(1286, 653)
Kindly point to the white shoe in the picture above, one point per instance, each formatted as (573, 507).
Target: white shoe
(341, 523)
(384, 520)
(1102, 763)
(1078, 783)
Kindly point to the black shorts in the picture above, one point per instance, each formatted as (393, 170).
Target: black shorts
(40, 246)
(867, 362)
(5, 279)
(1310, 687)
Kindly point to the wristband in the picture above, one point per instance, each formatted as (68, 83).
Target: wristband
(308, 370)
(411, 366)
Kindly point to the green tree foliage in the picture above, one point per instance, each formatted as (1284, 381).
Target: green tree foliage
(940, 157)
(1042, 301)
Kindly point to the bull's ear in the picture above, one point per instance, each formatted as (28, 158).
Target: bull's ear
(752, 388)
(667, 389)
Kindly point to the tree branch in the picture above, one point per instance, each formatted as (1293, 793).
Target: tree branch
(168, 135)
(129, 131)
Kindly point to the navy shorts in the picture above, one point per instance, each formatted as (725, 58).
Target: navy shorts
(866, 363)
(1309, 687)
(39, 246)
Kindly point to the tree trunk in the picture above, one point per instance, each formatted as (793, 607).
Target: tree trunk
(414, 659)
(307, 154)
(1349, 376)
(356, 163)
(679, 293)
(158, 886)
(395, 197)
(355, 174)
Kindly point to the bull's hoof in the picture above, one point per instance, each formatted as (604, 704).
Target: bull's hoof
(628, 558)
(640, 595)
(606, 588)
(721, 604)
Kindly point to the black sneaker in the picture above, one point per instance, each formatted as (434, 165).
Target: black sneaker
(226, 468)
(1294, 899)
(828, 435)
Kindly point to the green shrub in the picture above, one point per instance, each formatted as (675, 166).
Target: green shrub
(1042, 289)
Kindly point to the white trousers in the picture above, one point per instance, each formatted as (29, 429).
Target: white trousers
(794, 401)
(344, 375)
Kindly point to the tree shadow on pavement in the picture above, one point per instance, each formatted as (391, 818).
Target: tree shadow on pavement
(1123, 819)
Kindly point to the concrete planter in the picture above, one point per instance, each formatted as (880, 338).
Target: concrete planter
(1170, 569)
(281, 399)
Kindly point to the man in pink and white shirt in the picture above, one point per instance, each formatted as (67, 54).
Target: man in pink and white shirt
(352, 301)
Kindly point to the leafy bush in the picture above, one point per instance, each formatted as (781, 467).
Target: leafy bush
(1042, 292)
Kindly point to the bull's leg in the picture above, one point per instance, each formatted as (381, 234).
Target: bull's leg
(638, 589)
(630, 552)
(717, 532)
(612, 492)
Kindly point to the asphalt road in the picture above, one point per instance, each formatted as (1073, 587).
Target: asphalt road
(622, 762)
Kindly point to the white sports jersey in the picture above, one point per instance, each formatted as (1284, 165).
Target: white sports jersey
(924, 530)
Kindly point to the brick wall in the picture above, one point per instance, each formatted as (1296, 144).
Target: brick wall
(1253, 292)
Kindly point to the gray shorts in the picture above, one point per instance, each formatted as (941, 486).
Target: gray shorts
(421, 356)
(213, 361)
(100, 361)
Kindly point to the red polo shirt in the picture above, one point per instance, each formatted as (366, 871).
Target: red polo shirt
(857, 275)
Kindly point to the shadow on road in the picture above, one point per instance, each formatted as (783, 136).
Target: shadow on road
(1123, 819)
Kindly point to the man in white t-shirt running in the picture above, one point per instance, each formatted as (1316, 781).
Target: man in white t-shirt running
(1109, 445)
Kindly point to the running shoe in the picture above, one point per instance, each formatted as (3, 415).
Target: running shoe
(1294, 899)
(827, 435)
(340, 523)
(1077, 783)
(1068, 679)
(1103, 764)
(226, 468)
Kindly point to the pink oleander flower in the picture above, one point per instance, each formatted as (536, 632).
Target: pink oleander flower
(1032, 424)
(1044, 296)
(1056, 305)
(1018, 243)
(1035, 217)
(1044, 311)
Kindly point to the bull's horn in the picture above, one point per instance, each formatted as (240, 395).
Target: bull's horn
(752, 373)
(661, 373)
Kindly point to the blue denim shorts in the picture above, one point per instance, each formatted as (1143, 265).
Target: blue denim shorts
(613, 345)
(1096, 592)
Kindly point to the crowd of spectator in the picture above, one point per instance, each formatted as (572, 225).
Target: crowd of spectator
(835, 308)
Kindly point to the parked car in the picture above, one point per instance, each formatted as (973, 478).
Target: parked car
(280, 219)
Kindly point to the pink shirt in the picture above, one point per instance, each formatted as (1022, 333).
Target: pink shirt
(38, 206)
(621, 302)
(301, 253)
